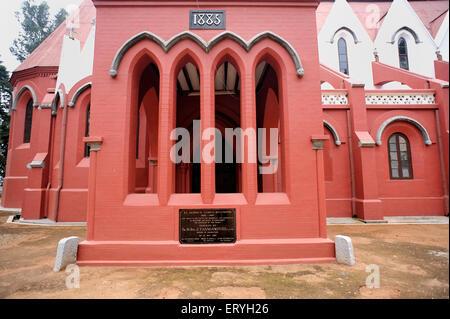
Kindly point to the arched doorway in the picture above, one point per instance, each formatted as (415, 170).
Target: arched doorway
(187, 175)
(146, 114)
(268, 117)
(227, 118)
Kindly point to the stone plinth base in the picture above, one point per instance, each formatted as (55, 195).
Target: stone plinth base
(243, 252)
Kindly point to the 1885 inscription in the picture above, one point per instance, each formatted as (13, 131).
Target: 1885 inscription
(203, 226)
(207, 19)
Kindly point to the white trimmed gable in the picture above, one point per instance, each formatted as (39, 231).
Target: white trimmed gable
(340, 21)
(76, 63)
(400, 19)
(442, 36)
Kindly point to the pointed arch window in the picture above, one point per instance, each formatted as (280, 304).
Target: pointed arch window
(343, 56)
(399, 157)
(28, 122)
(403, 53)
(87, 150)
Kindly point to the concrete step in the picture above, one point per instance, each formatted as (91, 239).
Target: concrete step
(390, 220)
(10, 210)
(46, 222)
(417, 219)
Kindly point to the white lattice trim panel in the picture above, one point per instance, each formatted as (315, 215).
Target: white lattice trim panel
(399, 98)
(334, 98)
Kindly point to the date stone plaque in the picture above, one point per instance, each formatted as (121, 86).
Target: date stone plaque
(207, 19)
(207, 226)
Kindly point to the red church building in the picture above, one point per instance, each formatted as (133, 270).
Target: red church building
(92, 134)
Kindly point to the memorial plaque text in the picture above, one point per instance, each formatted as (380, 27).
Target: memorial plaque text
(207, 226)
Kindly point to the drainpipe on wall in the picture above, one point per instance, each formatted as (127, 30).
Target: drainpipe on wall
(50, 163)
(442, 162)
(352, 165)
(61, 161)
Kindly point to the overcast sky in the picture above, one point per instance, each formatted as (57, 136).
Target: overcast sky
(10, 27)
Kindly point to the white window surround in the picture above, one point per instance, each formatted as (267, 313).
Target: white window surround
(410, 45)
(350, 43)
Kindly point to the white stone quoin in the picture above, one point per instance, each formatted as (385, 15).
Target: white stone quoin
(67, 252)
(344, 250)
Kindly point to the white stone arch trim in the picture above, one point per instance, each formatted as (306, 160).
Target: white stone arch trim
(61, 95)
(77, 94)
(420, 127)
(407, 29)
(62, 102)
(16, 97)
(333, 131)
(206, 46)
(352, 33)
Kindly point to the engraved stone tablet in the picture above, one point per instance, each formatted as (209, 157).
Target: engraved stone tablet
(207, 226)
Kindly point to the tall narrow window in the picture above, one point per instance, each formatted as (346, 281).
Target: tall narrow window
(343, 56)
(87, 150)
(28, 121)
(400, 157)
(403, 54)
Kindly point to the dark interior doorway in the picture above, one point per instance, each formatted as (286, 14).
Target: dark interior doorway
(226, 173)
(195, 167)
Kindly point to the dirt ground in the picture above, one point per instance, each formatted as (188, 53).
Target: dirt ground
(413, 261)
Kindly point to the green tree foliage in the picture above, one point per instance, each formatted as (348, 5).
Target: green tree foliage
(5, 98)
(37, 25)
